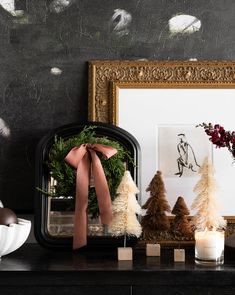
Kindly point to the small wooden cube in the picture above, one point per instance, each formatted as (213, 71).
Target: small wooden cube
(179, 255)
(153, 250)
(125, 253)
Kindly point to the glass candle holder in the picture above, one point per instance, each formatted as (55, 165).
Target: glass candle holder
(209, 247)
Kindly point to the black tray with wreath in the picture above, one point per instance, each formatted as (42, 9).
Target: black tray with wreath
(55, 182)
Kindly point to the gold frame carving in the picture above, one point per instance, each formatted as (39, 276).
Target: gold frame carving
(105, 77)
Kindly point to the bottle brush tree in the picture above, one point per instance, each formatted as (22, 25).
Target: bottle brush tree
(155, 220)
(181, 226)
(207, 208)
(125, 207)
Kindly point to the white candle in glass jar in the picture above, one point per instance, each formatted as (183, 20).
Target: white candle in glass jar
(209, 244)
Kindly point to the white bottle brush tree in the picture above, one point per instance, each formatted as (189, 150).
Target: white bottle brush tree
(207, 215)
(125, 208)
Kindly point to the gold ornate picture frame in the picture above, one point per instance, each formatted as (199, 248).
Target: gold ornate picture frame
(106, 78)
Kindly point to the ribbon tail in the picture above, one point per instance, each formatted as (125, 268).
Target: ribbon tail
(102, 190)
(80, 218)
(80, 228)
(79, 158)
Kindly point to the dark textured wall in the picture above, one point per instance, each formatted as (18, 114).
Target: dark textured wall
(38, 35)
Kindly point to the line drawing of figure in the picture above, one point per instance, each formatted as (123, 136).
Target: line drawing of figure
(187, 158)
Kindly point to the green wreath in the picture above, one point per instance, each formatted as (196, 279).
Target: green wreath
(65, 175)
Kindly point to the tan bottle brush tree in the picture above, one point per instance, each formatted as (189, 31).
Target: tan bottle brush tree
(181, 226)
(155, 222)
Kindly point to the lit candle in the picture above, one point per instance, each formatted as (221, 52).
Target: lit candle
(209, 245)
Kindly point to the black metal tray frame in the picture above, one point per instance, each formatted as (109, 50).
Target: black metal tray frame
(42, 174)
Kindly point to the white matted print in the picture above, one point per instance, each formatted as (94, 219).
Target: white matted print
(141, 110)
(181, 150)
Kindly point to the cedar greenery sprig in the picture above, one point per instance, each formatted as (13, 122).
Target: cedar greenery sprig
(65, 175)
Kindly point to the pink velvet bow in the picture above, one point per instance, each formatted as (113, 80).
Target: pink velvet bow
(84, 158)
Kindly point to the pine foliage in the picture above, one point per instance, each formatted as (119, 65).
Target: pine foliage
(125, 208)
(65, 175)
(181, 226)
(205, 203)
(157, 205)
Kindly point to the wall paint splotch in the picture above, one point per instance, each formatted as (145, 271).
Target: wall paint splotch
(121, 20)
(184, 24)
(8, 5)
(4, 129)
(58, 6)
(56, 71)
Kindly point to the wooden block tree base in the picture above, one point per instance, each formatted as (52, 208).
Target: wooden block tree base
(125, 253)
(179, 255)
(153, 250)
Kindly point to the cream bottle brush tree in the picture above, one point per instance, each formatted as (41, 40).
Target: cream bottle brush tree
(125, 208)
(206, 205)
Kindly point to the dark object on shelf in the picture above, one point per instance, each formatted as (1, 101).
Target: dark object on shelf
(42, 203)
(230, 242)
(230, 247)
(7, 216)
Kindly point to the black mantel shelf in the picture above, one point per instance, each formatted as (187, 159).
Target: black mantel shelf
(35, 270)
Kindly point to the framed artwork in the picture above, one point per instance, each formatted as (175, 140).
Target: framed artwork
(160, 103)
